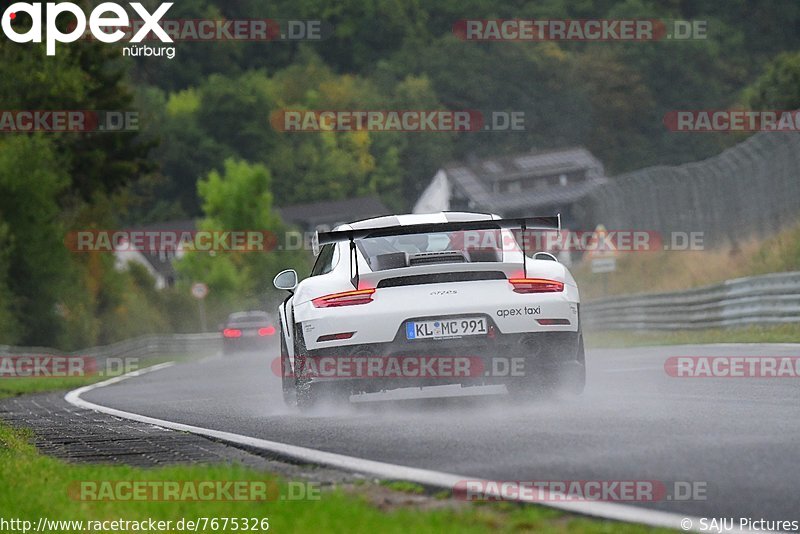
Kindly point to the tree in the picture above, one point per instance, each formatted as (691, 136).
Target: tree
(86, 75)
(239, 198)
(32, 177)
(235, 112)
(9, 328)
(185, 152)
(778, 88)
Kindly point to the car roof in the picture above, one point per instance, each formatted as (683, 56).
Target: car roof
(248, 315)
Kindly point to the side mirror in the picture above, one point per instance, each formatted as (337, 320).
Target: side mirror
(286, 280)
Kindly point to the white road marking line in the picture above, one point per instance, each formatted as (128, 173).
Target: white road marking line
(447, 481)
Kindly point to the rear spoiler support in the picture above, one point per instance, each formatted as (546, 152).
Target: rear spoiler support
(353, 263)
(524, 224)
(524, 227)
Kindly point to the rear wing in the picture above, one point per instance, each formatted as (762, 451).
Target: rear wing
(528, 223)
(353, 235)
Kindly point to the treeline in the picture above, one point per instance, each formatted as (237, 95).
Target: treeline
(206, 148)
(215, 100)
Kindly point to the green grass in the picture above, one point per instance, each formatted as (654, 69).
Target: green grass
(403, 486)
(659, 271)
(785, 333)
(32, 485)
(13, 387)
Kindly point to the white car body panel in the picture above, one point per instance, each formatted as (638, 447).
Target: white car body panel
(380, 321)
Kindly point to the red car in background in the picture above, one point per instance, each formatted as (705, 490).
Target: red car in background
(246, 331)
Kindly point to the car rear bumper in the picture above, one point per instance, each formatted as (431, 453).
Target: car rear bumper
(242, 344)
(497, 359)
(383, 319)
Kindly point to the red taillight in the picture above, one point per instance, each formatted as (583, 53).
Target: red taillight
(232, 332)
(266, 331)
(347, 298)
(335, 337)
(553, 322)
(536, 285)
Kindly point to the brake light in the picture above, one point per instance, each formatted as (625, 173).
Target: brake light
(536, 285)
(266, 331)
(232, 332)
(347, 298)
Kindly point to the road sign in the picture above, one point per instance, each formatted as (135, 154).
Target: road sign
(604, 265)
(598, 248)
(199, 290)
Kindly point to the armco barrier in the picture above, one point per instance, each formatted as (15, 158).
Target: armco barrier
(767, 299)
(756, 300)
(143, 347)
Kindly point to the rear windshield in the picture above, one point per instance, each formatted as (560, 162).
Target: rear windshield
(249, 317)
(447, 247)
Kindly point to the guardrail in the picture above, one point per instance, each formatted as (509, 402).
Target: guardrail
(768, 299)
(756, 300)
(142, 347)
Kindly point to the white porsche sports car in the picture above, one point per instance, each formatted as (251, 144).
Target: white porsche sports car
(420, 300)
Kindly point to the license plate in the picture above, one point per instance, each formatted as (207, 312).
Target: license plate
(444, 328)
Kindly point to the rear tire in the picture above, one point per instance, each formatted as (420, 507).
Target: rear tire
(312, 395)
(287, 374)
(548, 381)
(574, 382)
(309, 394)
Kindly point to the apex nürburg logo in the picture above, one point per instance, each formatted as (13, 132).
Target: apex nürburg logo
(104, 17)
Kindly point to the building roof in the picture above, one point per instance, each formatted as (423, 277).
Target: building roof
(556, 195)
(162, 263)
(476, 178)
(332, 212)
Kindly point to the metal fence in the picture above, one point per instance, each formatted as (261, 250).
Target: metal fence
(143, 347)
(752, 188)
(756, 300)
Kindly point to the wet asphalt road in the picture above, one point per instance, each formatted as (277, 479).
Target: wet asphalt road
(739, 438)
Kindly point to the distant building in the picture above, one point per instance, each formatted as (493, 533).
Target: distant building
(542, 182)
(309, 217)
(158, 263)
(327, 214)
